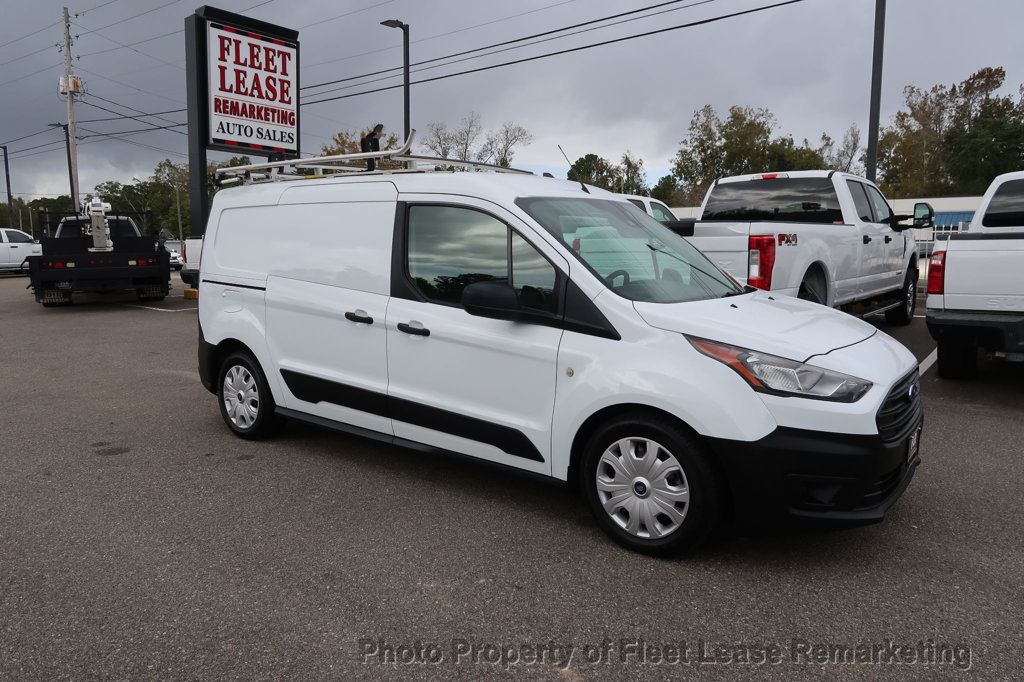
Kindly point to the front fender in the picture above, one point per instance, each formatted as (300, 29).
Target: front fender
(663, 372)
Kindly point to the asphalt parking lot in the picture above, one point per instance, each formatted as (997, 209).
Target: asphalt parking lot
(138, 538)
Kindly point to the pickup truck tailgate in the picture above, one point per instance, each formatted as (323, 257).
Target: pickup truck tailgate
(725, 243)
(985, 274)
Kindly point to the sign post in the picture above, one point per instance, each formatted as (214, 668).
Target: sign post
(243, 91)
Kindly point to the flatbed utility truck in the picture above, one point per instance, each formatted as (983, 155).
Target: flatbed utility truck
(84, 256)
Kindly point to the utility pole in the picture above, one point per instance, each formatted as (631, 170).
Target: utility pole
(871, 163)
(177, 204)
(7, 174)
(71, 87)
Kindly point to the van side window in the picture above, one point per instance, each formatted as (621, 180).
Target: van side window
(533, 277)
(451, 248)
(860, 200)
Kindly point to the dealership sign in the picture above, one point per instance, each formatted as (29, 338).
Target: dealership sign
(245, 74)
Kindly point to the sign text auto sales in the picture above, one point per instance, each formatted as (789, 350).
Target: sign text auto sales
(253, 86)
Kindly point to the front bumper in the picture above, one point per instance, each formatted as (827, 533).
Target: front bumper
(996, 331)
(799, 477)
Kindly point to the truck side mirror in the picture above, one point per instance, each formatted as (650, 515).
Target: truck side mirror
(924, 215)
(684, 228)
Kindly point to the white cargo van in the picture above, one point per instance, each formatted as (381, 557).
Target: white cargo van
(558, 330)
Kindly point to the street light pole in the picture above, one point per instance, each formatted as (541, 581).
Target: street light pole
(395, 23)
(71, 166)
(871, 162)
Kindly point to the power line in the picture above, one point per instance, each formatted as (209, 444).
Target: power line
(104, 4)
(529, 44)
(129, 45)
(44, 48)
(114, 136)
(566, 51)
(355, 11)
(29, 35)
(500, 44)
(134, 16)
(139, 130)
(19, 78)
(120, 117)
(128, 85)
(25, 137)
(125, 106)
(439, 35)
(38, 146)
(163, 35)
(116, 42)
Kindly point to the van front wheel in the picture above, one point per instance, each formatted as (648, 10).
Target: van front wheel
(650, 486)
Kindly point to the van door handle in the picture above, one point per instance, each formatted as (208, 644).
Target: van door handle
(415, 331)
(359, 316)
(888, 239)
(867, 239)
(14, 246)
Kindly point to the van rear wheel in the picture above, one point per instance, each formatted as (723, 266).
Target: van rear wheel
(245, 400)
(650, 485)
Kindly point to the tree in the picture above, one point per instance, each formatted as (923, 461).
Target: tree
(666, 190)
(739, 144)
(438, 139)
(464, 137)
(592, 169)
(631, 176)
(501, 143)
(844, 156)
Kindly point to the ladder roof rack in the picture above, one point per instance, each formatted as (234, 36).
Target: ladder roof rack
(340, 164)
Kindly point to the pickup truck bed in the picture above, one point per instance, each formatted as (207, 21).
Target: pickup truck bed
(976, 283)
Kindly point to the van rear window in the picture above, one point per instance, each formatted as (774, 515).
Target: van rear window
(1007, 206)
(792, 200)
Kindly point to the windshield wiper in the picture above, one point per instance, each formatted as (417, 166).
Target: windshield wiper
(745, 290)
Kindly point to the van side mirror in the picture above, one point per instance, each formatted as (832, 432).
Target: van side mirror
(924, 215)
(496, 300)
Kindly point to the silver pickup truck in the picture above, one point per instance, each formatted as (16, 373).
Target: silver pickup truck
(976, 283)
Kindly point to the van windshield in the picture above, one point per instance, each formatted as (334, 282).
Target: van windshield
(634, 255)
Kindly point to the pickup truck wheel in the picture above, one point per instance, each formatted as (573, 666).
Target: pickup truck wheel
(650, 485)
(904, 314)
(813, 288)
(957, 359)
(245, 400)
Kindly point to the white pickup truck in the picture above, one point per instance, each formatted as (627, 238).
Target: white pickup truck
(191, 251)
(823, 236)
(976, 283)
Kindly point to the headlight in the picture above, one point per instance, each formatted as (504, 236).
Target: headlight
(779, 376)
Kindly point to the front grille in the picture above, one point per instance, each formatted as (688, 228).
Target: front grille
(902, 409)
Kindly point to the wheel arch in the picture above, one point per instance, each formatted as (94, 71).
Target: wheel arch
(217, 353)
(818, 267)
(603, 415)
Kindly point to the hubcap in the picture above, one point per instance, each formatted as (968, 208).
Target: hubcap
(911, 296)
(241, 397)
(642, 487)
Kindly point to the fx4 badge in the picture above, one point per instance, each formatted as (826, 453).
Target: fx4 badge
(787, 240)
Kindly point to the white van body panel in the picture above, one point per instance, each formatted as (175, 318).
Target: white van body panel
(286, 262)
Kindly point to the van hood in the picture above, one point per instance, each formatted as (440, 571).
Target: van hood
(770, 323)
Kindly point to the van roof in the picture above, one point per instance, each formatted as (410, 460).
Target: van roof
(501, 188)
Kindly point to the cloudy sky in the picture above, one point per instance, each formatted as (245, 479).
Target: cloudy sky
(808, 62)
